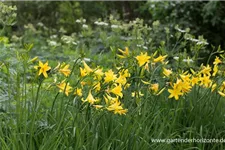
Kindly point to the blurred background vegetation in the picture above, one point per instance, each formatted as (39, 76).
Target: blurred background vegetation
(205, 18)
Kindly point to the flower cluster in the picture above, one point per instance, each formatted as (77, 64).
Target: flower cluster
(104, 84)
(104, 88)
(204, 78)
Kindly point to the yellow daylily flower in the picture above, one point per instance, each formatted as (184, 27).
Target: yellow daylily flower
(127, 85)
(217, 61)
(222, 87)
(205, 81)
(34, 59)
(109, 76)
(43, 68)
(117, 108)
(125, 53)
(185, 77)
(78, 92)
(63, 87)
(117, 90)
(213, 87)
(110, 100)
(121, 80)
(87, 68)
(206, 70)
(98, 73)
(142, 59)
(167, 72)
(97, 87)
(160, 59)
(124, 72)
(145, 82)
(194, 80)
(215, 70)
(174, 93)
(221, 93)
(83, 72)
(98, 106)
(65, 70)
(90, 99)
(154, 87)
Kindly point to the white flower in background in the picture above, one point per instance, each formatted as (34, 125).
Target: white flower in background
(85, 26)
(142, 46)
(180, 30)
(115, 26)
(81, 21)
(96, 22)
(188, 60)
(87, 59)
(15, 38)
(145, 47)
(74, 43)
(84, 59)
(153, 5)
(53, 36)
(30, 26)
(101, 23)
(126, 38)
(194, 40)
(52, 43)
(78, 21)
(68, 40)
(62, 30)
(139, 46)
(176, 57)
(45, 28)
(40, 24)
(202, 43)
(106, 24)
(156, 23)
(199, 42)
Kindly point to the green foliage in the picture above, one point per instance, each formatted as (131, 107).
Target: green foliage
(7, 14)
(213, 13)
(37, 113)
(205, 18)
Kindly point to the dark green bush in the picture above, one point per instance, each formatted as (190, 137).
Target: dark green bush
(205, 18)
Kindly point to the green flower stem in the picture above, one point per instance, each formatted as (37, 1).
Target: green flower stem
(62, 114)
(37, 94)
(53, 104)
